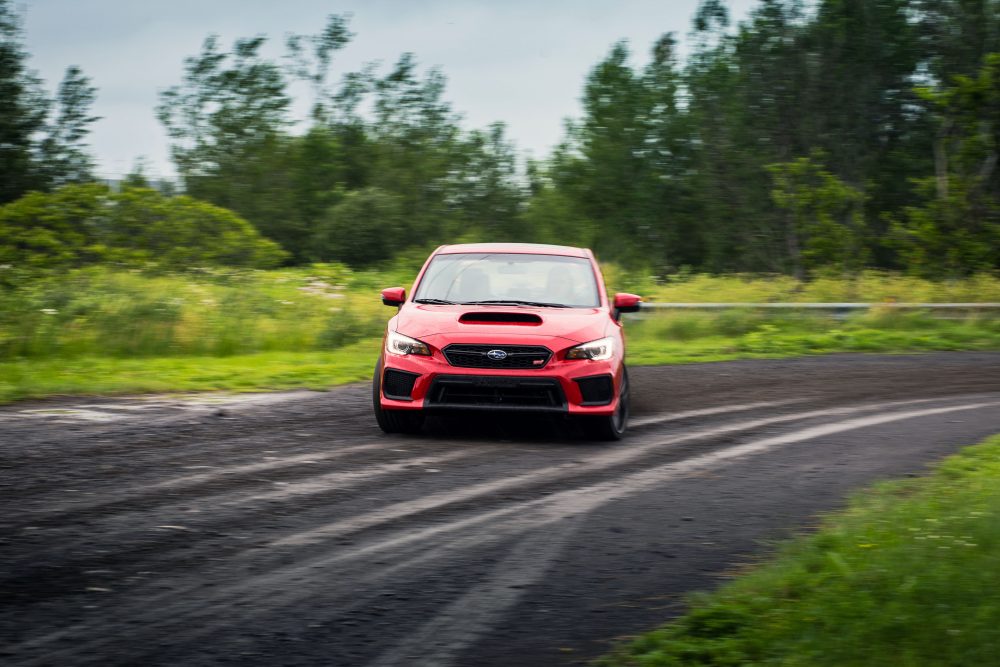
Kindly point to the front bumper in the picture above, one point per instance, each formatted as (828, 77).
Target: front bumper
(578, 387)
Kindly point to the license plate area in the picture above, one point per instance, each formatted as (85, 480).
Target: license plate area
(493, 392)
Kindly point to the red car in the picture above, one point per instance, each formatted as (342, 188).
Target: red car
(505, 327)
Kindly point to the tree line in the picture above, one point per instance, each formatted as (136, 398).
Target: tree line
(837, 136)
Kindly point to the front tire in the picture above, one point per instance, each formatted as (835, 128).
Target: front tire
(393, 421)
(612, 427)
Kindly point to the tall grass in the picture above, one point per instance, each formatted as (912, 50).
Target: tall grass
(869, 286)
(128, 314)
(99, 329)
(99, 312)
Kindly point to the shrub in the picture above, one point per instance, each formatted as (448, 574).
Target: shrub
(79, 225)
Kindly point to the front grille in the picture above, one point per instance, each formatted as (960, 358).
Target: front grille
(596, 390)
(398, 384)
(518, 356)
(493, 392)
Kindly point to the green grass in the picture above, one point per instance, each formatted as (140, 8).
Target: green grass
(685, 337)
(908, 575)
(128, 314)
(869, 286)
(661, 339)
(262, 371)
(100, 330)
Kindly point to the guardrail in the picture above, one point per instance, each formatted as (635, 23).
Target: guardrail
(828, 306)
(839, 311)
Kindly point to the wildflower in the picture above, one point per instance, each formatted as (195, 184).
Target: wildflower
(49, 311)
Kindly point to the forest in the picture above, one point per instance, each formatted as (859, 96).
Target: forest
(810, 138)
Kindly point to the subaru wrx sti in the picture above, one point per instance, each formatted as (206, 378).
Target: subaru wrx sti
(512, 327)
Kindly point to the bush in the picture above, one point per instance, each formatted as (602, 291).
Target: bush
(79, 225)
(363, 229)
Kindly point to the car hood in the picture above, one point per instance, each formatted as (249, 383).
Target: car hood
(578, 325)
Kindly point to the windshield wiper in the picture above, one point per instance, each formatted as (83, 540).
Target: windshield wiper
(514, 302)
(435, 302)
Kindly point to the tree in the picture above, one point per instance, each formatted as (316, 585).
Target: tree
(309, 58)
(486, 187)
(955, 35)
(824, 223)
(226, 122)
(364, 228)
(23, 109)
(64, 156)
(957, 229)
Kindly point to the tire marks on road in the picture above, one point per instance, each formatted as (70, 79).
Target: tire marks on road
(439, 526)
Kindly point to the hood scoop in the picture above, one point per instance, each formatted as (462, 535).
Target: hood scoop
(491, 317)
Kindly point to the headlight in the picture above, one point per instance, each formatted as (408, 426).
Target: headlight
(397, 343)
(597, 350)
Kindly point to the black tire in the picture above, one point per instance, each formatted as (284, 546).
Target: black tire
(393, 421)
(613, 426)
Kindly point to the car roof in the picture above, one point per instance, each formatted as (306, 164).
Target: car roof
(515, 248)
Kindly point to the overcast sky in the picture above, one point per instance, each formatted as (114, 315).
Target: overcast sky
(522, 62)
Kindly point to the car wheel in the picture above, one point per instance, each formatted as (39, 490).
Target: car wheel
(613, 426)
(393, 421)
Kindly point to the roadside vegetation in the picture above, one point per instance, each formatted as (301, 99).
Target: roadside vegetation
(98, 330)
(907, 575)
(688, 175)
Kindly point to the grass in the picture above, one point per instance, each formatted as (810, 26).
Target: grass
(908, 575)
(100, 330)
(261, 371)
(213, 313)
(869, 286)
(686, 337)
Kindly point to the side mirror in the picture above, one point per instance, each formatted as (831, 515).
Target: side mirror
(393, 296)
(626, 303)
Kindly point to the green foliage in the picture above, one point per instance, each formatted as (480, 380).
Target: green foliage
(681, 165)
(957, 229)
(907, 575)
(825, 223)
(216, 312)
(953, 234)
(693, 164)
(38, 152)
(22, 109)
(228, 122)
(63, 154)
(141, 331)
(366, 227)
(868, 286)
(78, 225)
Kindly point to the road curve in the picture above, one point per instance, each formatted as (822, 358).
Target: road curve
(286, 530)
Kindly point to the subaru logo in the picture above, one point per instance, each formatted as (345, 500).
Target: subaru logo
(497, 355)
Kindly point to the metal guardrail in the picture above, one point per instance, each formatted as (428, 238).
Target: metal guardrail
(838, 311)
(827, 306)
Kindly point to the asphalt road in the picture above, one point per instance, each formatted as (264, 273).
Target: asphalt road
(287, 530)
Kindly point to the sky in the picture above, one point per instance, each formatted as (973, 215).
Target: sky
(521, 62)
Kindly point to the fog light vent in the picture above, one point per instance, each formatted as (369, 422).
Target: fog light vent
(596, 390)
(398, 384)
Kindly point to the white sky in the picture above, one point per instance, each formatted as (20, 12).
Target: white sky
(516, 61)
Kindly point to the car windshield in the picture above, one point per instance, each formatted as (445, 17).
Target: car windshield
(544, 280)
